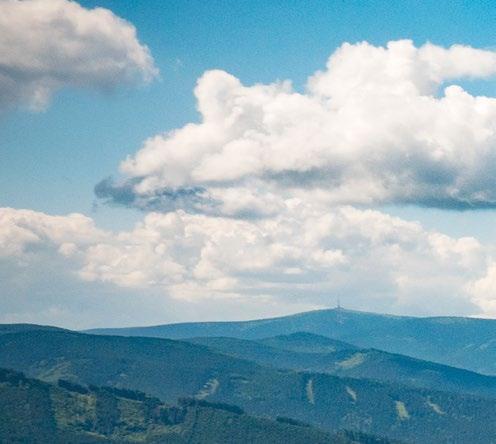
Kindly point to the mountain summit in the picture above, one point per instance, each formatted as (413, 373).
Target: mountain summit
(468, 343)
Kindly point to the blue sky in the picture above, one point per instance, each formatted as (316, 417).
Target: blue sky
(52, 159)
(88, 134)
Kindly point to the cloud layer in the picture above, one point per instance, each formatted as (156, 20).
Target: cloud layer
(46, 45)
(301, 259)
(263, 202)
(378, 125)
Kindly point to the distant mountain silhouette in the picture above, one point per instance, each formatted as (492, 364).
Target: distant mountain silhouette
(460, 342)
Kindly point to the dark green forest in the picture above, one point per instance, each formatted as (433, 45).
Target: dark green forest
(32, 411)
(243, 385)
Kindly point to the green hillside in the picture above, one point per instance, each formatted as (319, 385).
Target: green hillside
(349, 361)
(171, 369)
(32, 411)
(460, 342)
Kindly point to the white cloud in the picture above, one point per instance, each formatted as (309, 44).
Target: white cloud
(23, 230)
(303, 257)
(398, 69)
(376, 126)
(253, 205)
(483, 291)
(46, 45)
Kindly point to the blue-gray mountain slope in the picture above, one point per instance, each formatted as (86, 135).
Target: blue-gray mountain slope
(460, 342)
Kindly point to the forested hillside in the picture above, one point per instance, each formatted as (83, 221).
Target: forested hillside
(32, 411)
(172, 369)
(325, 355)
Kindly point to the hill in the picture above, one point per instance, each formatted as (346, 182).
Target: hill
(170, 369)
(36, 412)
(17, 328)
(349, 361)
(460, 342)
(306, 343)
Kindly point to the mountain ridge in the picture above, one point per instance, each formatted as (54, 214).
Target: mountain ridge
(468, 343)
(309, 312)
(345, 360)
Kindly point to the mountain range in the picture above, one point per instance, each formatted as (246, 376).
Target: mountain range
(323, 355)
(468, 343)
(325, 379)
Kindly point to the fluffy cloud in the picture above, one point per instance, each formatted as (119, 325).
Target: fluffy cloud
(378, 125)
(46, 45)
(262, 203)
(301, 258)
(483, 291)
(24, 231)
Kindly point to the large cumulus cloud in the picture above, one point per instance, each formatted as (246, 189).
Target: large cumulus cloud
(378, 125)
(46, 45)
(300, 259)
(262, 204)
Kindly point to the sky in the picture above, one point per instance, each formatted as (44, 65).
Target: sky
(187, 160)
